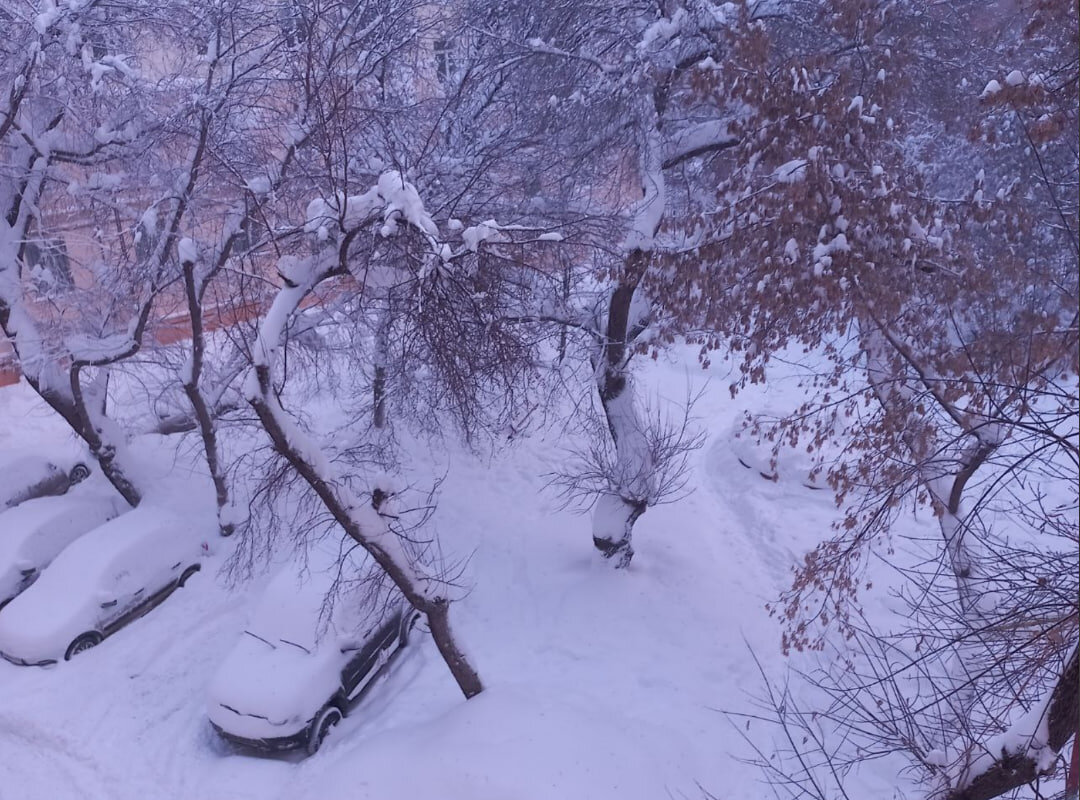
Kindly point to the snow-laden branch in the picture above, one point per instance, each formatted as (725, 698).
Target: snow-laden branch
(649, 212)
(397, 201)
(697, 140)
(1026, 750)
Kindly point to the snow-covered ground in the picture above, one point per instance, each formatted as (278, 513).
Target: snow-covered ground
(600, 684)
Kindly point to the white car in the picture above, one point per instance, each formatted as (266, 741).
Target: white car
(98, 584)
(35, 532)
(312, 667)
(26, 475)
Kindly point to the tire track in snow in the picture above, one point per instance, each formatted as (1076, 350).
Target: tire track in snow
(763, 509)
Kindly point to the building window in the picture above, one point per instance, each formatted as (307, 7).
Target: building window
(145, 239)
(248, 235)
(293, 25)
(445, 61)
(48, 263)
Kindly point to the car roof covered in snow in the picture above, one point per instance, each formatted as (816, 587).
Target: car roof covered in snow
(145, 531)
(320, 600)
(24, 520)
(140, 547)
(33, 533)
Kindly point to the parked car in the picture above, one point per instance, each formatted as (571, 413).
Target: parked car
(104, 580)
(35, 532)
(296, 671)
(26, 475)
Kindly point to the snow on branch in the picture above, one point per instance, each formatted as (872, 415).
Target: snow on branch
(697, 140)
(1028, 748)
(650, 210)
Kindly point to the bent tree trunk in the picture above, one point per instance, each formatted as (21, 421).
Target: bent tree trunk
(360, 520)
(632, 484)
(616, 512)
(101, 434)
(367, 530)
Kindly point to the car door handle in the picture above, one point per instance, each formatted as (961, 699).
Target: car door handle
(108, 604)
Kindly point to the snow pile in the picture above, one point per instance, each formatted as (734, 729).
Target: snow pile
(823, 252)
(662, 31)
(187, 251)
(1015, 78)
(259, 185)
(475, 235)
(403, 201)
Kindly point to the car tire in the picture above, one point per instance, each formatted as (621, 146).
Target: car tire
(79, 473)
(406, 627)
(187, 573)
(82, 643)
(320, 727)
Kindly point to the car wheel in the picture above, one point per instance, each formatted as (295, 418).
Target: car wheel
(82, 644)
(406, 627)
(187, 573)
(320, 726)
(79, 473)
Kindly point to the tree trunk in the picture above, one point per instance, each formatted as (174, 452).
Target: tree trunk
(564, 295)
(438, 617)
(99, 432)
(615, 513)
(203, 417)
(378, 382)
(613, 526)
(436, 609)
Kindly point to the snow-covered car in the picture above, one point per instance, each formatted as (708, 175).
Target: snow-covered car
(25, 475)
(35, 532)
(297, 670)
(102, 581)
